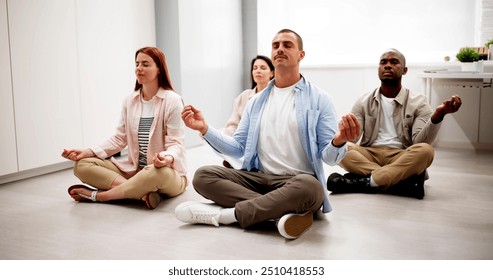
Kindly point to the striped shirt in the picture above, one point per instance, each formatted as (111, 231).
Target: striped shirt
(145, 124)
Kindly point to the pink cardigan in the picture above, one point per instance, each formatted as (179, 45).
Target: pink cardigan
(238, 106)
(166, 136)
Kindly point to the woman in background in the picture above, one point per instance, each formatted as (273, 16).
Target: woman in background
(151, 127)
(261, 72)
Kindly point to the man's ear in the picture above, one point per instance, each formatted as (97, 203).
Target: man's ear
(302, 55)
(404, 71)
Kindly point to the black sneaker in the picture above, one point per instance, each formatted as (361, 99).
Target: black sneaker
(410, 187)
(349, 183)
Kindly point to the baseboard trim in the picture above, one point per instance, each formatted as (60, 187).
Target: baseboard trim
(461, 145)
(35, 172)
(45, 170)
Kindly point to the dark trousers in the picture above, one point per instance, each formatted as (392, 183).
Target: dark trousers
(256, 196)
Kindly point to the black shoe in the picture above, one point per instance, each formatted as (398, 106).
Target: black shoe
(349, 183)
(410, 187)
(227, 164)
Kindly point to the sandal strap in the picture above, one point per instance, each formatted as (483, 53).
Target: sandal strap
(92, 197)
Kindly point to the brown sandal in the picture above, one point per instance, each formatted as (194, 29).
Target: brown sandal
(83, 196)
(153, 200)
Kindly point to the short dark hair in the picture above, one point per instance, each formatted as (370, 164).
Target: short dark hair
(298, 37)
(264, 58)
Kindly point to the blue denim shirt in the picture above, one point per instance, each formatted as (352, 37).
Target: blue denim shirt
(317, 125)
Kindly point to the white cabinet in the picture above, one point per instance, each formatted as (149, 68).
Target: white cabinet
(486, 116)
(45, 80)
(66, 66)
(461, 128)
(8, 147)
(471, 125)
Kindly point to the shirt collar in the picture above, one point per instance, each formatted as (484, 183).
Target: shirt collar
(161, 93)
(400, 98)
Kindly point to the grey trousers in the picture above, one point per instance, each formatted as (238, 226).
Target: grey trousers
(256, 196)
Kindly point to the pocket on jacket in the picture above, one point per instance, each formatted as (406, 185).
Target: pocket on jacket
(368, 127)
(408, 124)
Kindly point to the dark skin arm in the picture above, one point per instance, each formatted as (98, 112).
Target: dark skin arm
(447, 107)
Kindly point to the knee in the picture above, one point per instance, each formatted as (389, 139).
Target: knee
(348, 158)
(162, 172)
(199, 179)
(425, 151)
(81, 166)
(158, 175)
(353, 155)
(309, 185)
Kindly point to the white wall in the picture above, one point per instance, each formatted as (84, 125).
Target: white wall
(109, 33)
(355, 31)
(208, 41)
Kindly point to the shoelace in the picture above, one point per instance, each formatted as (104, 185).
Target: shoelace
(204, 217)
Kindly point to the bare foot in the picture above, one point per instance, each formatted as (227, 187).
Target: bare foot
(145, 198)
(77, 192)
(152, 199)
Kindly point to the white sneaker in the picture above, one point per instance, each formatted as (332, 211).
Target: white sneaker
(292, 226)
(194, 212)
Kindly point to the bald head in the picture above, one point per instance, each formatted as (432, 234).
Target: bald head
(397, 53)
(391, 67)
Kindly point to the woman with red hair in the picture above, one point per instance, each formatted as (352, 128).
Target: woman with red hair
(151, 127)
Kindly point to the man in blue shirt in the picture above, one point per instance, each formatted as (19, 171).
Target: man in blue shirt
(284, 136)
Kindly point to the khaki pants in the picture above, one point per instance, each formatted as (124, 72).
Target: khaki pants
(388, 166)
(101, 174)
(258, 197)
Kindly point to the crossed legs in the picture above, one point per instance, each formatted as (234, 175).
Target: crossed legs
(115, 184)
(388, 166)
(258, 197)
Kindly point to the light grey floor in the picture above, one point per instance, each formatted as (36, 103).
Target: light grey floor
(38, 220)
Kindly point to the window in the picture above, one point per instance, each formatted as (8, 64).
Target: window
(358, 31)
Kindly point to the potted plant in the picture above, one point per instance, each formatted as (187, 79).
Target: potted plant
(489, 45)
(467, 56)
(490, 42)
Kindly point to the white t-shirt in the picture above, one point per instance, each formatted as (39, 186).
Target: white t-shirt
(387, 136)
(279, 146)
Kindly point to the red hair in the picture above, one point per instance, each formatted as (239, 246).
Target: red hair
(158, 56)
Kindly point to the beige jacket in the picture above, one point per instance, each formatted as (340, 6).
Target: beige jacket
(412, 118)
